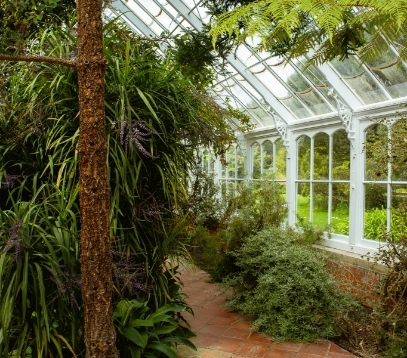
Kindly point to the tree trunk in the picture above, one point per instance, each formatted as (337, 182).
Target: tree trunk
(96, 256)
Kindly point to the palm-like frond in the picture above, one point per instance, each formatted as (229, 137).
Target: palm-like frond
(332, 28)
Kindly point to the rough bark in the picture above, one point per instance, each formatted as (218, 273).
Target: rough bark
(96, 257)
(42, 59)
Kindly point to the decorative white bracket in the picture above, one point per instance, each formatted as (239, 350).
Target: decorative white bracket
(281, 126)
(345, 115)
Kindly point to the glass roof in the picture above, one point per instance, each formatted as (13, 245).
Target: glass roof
(259, 84)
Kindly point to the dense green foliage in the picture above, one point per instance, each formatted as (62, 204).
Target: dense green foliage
(254, 207)
(21, 19)
(155, 120)
(339, 27)
(285, 286)
(389, 316)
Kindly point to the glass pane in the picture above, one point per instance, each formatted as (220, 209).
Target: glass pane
(314, 101)
(240, 164)
(231, 163)
(303, 203)
(376, 149)
(304, 156)
(356, 78)
(375, 223)
(256, 161)
(340, 156)
(398, 225)
(394, 78)
(320, 205)
(366, 88)
(280, 159)
(321, 156)
(398, 151)
(260, 113)
(246, 56)
(340, 208)
(267, 160)
(270, 81)
(389, 72)
(294, 105)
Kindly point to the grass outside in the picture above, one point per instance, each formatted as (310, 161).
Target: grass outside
(340, 217)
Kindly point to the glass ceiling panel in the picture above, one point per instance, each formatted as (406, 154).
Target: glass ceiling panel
(246, 56)
(303, 89)
(389, 73)
(318, 80)
(146, 17)
(280, 91)
(249, 102)
(230, 70)
(304, 94)
(270, 81)
(295, 106)
(355, 76)
(250, 88)
(237, 98)
(180, 28)
(165, 5)
(191, 3)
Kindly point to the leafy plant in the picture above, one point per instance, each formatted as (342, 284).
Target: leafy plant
(389, 315)
(375, 224)
(155, 121)
(39, 276)
(145, 334)
(285, 286)
(257, 206)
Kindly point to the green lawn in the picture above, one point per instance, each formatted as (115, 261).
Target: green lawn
(340, 220)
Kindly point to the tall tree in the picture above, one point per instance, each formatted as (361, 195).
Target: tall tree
(96, 255)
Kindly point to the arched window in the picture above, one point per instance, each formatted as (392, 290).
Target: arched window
(340, 182)
(323, 181)
(385, 181)
(376, 182)
(303, 175)
(321, 156)
(256, 161)
(267, 160)
(280, 160)
(304, 157)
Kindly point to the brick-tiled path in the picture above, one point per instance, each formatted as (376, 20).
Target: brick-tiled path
(224, 334)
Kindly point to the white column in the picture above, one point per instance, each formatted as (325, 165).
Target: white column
(356, 202)
(291, 175)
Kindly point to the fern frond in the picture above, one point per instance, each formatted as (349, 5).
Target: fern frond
(335, 27)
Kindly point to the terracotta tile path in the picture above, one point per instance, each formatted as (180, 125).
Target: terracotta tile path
(224, 334)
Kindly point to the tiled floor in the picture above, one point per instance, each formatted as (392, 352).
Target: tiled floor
(224, 334)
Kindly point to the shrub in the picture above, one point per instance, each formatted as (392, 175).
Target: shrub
(389, 318)
(257, 206)
(285, 286)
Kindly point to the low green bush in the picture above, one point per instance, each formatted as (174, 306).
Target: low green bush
(284, 285)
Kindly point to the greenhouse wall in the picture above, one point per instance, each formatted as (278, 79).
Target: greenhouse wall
(334, 175)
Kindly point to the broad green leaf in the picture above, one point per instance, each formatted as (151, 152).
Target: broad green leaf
(164, 348)
(134, 336)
